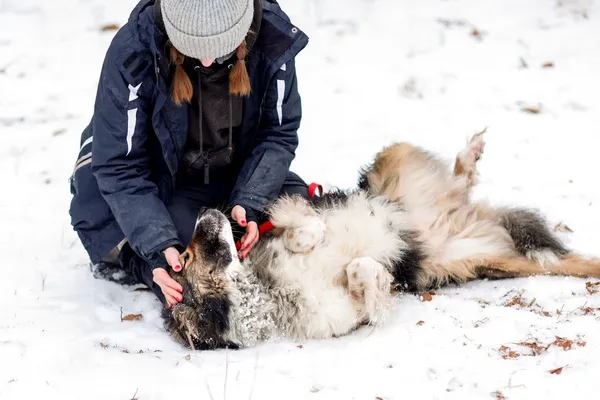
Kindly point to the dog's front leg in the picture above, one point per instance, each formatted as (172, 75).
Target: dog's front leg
(306, 237)
(303, 229)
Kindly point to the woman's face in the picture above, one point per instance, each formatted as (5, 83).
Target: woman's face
(207, 62)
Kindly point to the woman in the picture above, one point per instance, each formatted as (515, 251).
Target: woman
(197, 106)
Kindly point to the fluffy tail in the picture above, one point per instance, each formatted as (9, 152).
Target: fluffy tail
(530, 233)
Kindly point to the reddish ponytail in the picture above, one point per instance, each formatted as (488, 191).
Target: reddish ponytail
(182, 90)
(239, 81)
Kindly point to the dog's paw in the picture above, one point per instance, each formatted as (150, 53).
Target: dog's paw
(472, 153)
(306, 237)
(369, 284)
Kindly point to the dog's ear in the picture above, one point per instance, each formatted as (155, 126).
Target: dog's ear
(186, 258)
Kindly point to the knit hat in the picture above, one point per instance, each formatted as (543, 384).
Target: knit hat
(207, 28)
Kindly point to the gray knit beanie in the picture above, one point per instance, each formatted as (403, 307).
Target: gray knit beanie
(207, 28)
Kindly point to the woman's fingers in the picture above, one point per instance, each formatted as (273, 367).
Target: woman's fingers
(239, 215)
(249, 239)
(165, 281)
(172, 290)
(174, 294)
(171, 301)
(173, 284)
(172, 257)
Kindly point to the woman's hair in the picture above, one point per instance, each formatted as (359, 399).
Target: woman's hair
(239, 81)
(182, 90)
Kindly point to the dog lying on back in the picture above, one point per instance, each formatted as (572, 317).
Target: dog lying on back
(335, 264)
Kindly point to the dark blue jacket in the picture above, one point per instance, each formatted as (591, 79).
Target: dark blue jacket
(131, 150)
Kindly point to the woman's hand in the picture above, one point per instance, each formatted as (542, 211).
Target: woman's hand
(250, 238)
(172, 290)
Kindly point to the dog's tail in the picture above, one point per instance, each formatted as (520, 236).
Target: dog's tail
(531, 235)
(515, 267)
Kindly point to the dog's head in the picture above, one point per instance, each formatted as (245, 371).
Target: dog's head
(203, 317)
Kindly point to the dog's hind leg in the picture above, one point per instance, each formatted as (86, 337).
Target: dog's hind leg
(505, 268)
(369, 284)
(466, 160)
(570, 265)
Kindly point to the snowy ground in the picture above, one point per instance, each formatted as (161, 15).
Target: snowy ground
(431, 72)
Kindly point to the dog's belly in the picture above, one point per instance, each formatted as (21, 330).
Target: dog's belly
(325, 307)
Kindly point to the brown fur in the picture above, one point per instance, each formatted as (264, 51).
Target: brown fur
(461, 239)
(207, 280)
(200, 320)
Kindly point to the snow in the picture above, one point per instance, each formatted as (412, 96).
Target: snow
(375, 71)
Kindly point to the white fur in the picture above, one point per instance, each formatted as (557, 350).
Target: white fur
(310, 293)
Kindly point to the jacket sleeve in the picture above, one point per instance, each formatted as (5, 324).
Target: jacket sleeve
(121, 164)
(264, 171)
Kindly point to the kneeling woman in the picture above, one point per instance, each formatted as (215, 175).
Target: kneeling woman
(197, 106)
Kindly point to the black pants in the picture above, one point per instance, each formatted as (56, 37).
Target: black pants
(185, 205)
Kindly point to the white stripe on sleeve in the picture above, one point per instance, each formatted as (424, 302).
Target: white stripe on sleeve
(131, 121)
(280, 95)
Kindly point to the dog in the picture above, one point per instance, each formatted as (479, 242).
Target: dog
(335, 264)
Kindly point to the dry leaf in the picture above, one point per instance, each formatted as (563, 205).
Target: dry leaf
(548, 64)
(532, 109)
(110, 27)
(507, 353)
(300, 346)
(499, 395)
(556, 371)
(420, 323)
(378, 398)
(535, 347)
(561, 227)
(592, 287)
(517, 300)
(125, 351)
(476, 33)
(188, 357)
(427, 296)
(132, 317)
(565, 343)
(104, 346)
